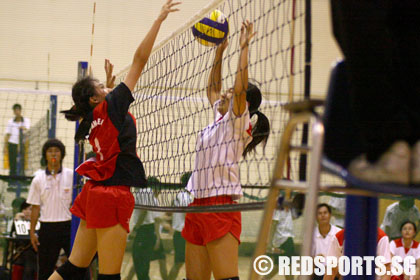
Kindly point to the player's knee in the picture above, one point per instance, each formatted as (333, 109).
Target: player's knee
(109, 276)
(69, 271)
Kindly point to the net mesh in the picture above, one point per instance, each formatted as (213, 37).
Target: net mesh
(34, 111)
(171, 105)
(36, 106)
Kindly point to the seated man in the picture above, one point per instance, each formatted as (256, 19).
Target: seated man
(397, 213)
(324, 233)
(24, 258)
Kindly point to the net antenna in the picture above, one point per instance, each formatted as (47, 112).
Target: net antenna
(92, 38)
(171, 106)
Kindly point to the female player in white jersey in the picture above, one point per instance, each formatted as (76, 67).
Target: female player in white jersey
(105, 204)
(213, 238)
(406, 246)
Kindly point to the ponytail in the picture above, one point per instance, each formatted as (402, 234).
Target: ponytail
(82, 90)
(261, 129)
(260, 132)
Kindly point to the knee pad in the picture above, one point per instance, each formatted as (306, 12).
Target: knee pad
(109, 277)
(69, 271)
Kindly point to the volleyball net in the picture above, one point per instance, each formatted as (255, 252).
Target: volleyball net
(41, 122)
(171, 106)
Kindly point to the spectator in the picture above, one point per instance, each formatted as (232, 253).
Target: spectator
(147, 245)
(50, 194)
(399, 212)
(282, 239)
(25, 259)
(25, 212)
(16, 204)
(324, 233)
(382, 249)
(183, 198)
(13, 140)
(406, 246)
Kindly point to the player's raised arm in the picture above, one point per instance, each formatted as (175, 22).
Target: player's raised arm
(144, 49)
(110, 78)
(241, 81)
(214, 85)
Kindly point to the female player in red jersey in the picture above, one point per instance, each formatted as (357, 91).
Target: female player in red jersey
(106, 203)
(213, 238)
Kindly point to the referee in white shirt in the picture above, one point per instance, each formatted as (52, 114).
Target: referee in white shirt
(50, 195)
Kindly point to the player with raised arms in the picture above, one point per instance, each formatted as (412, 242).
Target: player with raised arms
(213, 238)
(105, 204)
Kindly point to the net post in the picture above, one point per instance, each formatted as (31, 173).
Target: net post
(52, 124)
(78, 157)
(307, 89)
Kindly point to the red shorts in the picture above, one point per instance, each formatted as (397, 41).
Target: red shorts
(104, 206)
(202, 228)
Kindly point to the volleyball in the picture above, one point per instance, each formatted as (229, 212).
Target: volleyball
(212, 30)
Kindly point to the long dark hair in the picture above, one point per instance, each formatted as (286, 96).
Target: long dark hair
(82, 90)
(408, 222)
(261, 130)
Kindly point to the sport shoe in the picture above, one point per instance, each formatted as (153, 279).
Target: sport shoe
(415, 164)
(391, 167)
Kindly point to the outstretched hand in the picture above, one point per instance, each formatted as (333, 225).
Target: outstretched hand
(247, 32)
(223, 45)
(168, 8)
(110, 79)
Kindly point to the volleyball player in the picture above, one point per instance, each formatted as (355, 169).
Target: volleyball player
(106, 203)
(213, 238)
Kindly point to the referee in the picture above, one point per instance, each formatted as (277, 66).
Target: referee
(50, 195)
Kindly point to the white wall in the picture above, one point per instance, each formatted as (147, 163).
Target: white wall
(32, 30)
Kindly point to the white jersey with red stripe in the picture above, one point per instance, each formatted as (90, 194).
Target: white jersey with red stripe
(382, 245)
(397, 249)
(219, 148)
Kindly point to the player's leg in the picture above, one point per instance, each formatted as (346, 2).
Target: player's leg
(111, 243)
(223, 254)
(197, 262)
